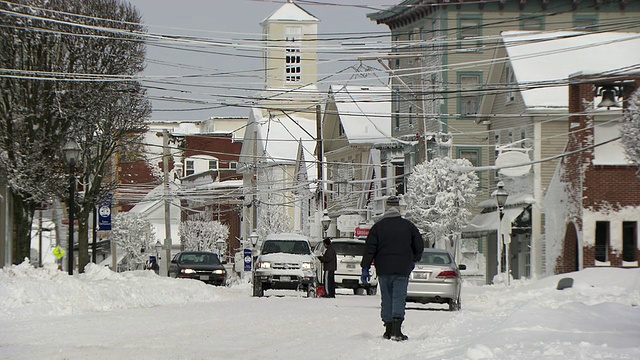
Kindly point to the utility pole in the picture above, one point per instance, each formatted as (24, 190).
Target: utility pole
(164, 271)
(319, 165)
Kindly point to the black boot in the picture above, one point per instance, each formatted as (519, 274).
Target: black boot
(396, 331)
(387, 330)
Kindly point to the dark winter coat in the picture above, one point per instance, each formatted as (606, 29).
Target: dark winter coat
(394, 243)
(329, 259)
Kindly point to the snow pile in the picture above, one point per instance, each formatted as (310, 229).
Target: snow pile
(27, 291)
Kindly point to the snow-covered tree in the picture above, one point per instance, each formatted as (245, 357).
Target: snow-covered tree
(439, 199)
(201, 234)
(43, 41)
(631, 129)
(272, 219)
(135, 236)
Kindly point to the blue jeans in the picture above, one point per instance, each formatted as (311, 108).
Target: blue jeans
(393, 291)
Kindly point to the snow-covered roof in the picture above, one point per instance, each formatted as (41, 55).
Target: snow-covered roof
(365, 112)
(279, 136)
(551, 57)
(290, 12)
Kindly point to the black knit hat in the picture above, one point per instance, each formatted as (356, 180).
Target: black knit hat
(393, 201)
(327, 241)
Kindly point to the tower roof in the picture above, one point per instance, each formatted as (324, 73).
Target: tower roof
(291, 12)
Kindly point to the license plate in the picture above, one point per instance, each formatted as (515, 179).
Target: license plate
(204, 277)
(351, 266)
(421, 276)
(285, 278)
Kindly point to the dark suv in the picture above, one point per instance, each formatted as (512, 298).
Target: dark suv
(198, 265)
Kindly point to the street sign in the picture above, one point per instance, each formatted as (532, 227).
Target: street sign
(58, 252)
(104, 213)
(247, 259)
(362, 231)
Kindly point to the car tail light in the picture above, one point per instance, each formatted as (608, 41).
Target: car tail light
(448, 274)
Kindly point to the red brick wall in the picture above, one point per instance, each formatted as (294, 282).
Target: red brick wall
(217, 145)
(592, 186)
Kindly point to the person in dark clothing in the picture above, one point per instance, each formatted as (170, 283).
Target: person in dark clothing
(330, 264)
(395, 244)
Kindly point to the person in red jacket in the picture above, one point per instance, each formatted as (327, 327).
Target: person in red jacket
(330, 265)
(395, 244)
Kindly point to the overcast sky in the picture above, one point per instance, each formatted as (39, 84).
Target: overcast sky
(236, 22)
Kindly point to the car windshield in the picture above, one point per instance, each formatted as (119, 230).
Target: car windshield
(288, 247)
(431, 258)
(199, 259)
(351, 249)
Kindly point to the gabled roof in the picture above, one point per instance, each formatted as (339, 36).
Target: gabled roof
(364, 112)
(540, 59)
(290, 12)
(278, 139)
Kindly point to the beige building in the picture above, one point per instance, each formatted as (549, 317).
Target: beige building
(278, 153)
(362, 159)
(440, 65)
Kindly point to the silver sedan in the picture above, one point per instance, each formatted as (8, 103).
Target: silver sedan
(436, 279)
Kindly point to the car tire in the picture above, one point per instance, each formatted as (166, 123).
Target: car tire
(455, 305)
(372, 291)
(258, 291)
(358, 291)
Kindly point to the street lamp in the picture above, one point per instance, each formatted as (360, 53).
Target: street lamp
(254, 239)
(326, 221)
(71, 154)
(158, 247)
(220, 246)
(500, 194)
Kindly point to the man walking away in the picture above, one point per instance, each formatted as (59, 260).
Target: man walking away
(395, 244)
(330, 265)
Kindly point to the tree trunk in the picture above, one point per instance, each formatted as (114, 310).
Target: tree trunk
(83, 240)
(23, 211)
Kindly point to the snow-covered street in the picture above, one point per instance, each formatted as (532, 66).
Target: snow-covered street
(46, 314)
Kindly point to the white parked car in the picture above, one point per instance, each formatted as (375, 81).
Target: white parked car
(284, 262)
(349, 255)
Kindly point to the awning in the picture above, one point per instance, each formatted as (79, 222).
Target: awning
(487, 223)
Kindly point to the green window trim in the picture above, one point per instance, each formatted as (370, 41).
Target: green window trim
(468, 109)
(478, 151)
(469, 26)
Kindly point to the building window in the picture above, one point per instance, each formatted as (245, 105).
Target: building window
(468, 99)
(469, 28)
(233, 165)
(189, 168)
(410, 119)
(399, 179)
(532, 22)
(473, 155)
(602, 241)
(341, 130)
(213, 164)
(629, 240)
(511, 84)
(292, 51)
(585, 23)
(396, 112)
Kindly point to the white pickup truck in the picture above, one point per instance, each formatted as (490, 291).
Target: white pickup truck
(285, 261)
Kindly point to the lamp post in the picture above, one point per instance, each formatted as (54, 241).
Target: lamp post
(220, 246)
(500, 194)
(158, 247)
(71, 154)
(254, 239)
(326, 221)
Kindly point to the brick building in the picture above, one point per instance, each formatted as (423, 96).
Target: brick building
(599, 188)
